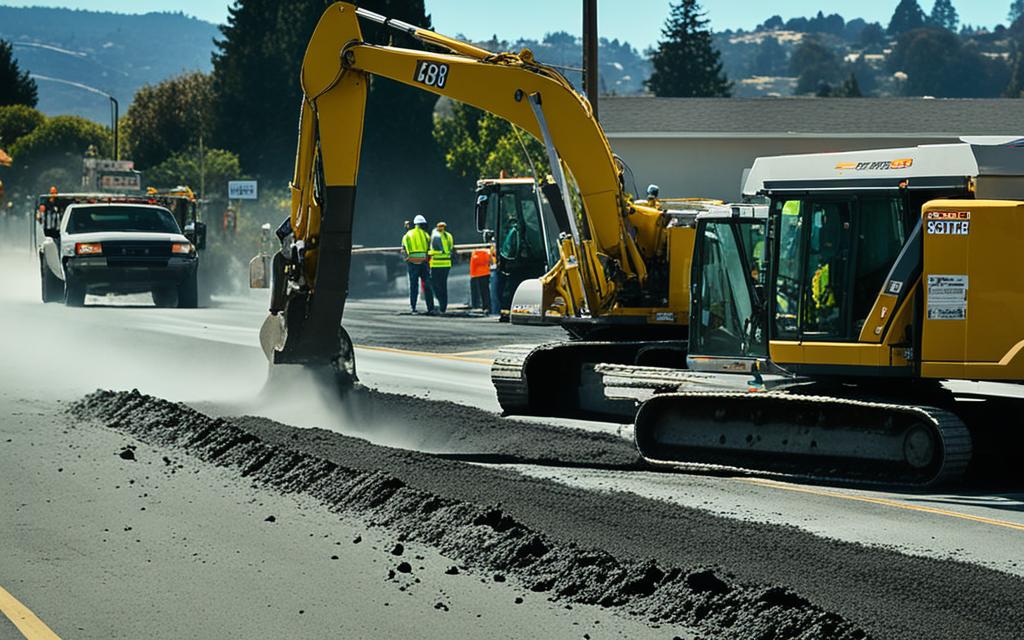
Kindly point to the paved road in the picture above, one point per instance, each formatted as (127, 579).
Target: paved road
(210, 357)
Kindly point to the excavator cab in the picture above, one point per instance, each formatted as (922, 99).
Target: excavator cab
(515, 215)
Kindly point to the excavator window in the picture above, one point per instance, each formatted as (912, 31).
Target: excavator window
(834, 252)
(729, 312)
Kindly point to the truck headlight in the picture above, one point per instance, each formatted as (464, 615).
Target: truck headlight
(88, 249)
(182, 249)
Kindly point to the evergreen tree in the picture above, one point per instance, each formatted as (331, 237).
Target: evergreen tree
(944, 15)
(770, 59)
(907, 17)
(686, 64)
(815, 65)
(16, 87)
(256, 84)
(1016, 10)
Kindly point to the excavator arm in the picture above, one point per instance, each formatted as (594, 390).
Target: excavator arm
(311, 271)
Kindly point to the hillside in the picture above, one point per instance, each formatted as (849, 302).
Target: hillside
(116, 53)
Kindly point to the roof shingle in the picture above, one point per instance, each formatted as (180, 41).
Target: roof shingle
(672, 117)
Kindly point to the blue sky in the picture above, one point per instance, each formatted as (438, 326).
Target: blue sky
(637, 21)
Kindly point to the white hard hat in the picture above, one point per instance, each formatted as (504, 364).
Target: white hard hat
(419, 220)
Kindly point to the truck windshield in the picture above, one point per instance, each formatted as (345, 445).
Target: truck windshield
(121, 218)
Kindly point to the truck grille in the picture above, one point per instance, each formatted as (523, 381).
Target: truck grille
(127, 253)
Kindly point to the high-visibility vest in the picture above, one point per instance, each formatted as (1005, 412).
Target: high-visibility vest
(415, 242)
(480, 263)
(441, 244)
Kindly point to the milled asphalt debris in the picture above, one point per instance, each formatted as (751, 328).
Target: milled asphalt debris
(664, 563)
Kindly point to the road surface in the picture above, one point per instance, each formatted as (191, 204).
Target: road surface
(210, 359)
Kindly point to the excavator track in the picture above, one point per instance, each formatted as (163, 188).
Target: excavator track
(806, 437)
(552, 379)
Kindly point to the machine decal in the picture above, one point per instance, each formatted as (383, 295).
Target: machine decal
(880, 165)
(664, 316)
(895, 286)
(431, 74)
(947, 297)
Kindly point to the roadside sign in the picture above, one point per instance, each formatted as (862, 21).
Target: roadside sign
(103, 164)
(242, 190)
(120, 181)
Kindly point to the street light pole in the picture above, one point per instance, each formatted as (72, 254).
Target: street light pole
(590, 65)
(113, 126)
(114, 106)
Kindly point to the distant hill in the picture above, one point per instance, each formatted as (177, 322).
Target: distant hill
(116, 53)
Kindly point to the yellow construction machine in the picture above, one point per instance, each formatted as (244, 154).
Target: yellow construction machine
(614, 253)
(833, 332)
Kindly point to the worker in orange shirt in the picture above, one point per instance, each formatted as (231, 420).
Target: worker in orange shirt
(480, 279)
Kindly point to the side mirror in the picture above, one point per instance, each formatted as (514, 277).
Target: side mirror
(259, 272)
(200, 233)
(481, 212)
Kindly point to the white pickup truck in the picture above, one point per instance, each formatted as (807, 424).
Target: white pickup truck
(104, 248)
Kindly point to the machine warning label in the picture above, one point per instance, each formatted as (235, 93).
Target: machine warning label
(947, 297)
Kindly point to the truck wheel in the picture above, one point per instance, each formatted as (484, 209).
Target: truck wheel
(188, 291)
(52, 286)
(165, 297)
(74, 293)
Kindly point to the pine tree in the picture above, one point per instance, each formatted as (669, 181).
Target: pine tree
(686, 64)
(944, 15)
(907, 17)
(1016, 10)
(257, 99)
(16, 87)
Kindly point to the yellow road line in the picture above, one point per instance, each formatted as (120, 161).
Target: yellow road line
(425, 354)
(28, 624)
(475, 353)
(885, 502)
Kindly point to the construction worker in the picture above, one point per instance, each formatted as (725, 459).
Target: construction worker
(415, 244)
(441, 246)
(480, 279)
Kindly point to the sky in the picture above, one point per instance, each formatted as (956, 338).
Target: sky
(636, 21)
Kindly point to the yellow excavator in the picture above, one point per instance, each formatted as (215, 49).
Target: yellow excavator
(614, 254)
(829, 328)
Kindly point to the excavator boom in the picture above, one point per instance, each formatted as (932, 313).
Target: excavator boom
(311, 271)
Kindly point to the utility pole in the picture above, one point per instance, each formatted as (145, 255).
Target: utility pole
(591, 84)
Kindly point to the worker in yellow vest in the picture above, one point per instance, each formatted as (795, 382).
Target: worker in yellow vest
(441, 246)
(415, 245)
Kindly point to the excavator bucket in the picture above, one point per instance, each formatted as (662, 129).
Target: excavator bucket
(329, 355)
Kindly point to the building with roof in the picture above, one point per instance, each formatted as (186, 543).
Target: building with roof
(701, 146)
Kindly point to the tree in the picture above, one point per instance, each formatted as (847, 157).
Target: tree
(16, 121)
(770, 59)
(944, 15)
(56, 148)
(686, 64)
(1016, 10)
(168, 117)
(16, 87)
(186, 167)
(848, 88)
(477, 144)
(872, 37)
(814, 64)
(938, 64)
(907, 17)
(256, 82)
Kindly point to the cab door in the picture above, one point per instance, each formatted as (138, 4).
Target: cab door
(728, 329)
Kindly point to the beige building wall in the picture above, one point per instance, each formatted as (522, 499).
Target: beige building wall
(713, 167)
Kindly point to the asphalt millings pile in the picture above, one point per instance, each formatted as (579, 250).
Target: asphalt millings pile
(640, 556)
